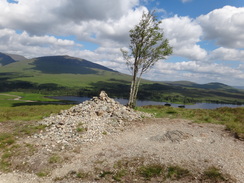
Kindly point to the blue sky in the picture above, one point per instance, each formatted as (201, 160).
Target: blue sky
(207, 35)
(193, 8)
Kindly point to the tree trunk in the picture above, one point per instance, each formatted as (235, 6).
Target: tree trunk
(133, 88)
(133, 91)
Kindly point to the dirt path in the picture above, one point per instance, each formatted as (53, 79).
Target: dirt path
(168, 141)
(16, 97)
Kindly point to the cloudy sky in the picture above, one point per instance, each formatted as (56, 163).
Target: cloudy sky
(207, 35)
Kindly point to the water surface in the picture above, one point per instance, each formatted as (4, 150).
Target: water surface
(78, 100)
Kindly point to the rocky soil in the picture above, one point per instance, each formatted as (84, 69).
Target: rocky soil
(92, 140)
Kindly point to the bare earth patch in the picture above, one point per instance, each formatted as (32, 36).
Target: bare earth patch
(169, 142)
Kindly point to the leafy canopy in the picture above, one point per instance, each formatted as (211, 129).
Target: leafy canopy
(147, 45)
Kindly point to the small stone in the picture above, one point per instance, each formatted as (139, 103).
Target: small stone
(103, 95)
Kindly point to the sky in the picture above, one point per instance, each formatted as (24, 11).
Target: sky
(207, 36)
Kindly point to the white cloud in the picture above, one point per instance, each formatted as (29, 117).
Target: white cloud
(184, 34)
(33, 46)
(78, 10)
(241, 67)
(200, 72)
(38, 17)
(225, 26)
(112, 32)
(227, 54)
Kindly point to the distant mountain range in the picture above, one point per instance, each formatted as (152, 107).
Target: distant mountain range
(213, 85)
(61, 75)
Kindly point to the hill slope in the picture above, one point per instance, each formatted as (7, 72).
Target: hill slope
(5, 59)
(213, 85)
(60, 73)
(65, 65)
(16, 57)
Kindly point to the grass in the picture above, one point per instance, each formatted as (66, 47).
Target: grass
(141, 169)
(176, 172)
(42, 174)
(55, 159)
(80, 128)
(232, 118)
(6, 139)
(27, 113)
(213, 174)
(151, 170)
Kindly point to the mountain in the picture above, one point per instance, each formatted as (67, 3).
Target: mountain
(54, 65)
(67, 64)
(213, 85)
(62, 74)
(65, 75)
(16, 57)
(239, 87)
(5, 59)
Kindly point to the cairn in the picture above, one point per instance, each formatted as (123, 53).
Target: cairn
(88, 121)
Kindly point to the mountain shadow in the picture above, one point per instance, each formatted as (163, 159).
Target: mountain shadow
(67, 65)
(5, 59)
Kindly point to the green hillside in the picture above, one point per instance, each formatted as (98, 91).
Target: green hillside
(65, 75)
(58, 75)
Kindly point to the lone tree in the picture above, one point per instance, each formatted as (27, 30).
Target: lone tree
(147, 46)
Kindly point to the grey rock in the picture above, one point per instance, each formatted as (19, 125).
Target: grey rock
(172, 136)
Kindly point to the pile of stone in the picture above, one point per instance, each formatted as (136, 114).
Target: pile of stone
(88, 121)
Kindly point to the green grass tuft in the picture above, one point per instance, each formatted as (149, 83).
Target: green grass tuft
(213, 174)
(176, 172)
(152, 170)
(6, 139)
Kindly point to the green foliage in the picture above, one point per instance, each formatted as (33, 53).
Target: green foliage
(105, 173)
(6, 139)
(80, 128)
(28, 129)
(8, 150)
(147, 46)
(119, 174)
(151, 170)
(82, 175)
(176, 172)
(213, 174)
(42, 174)
(55, 159)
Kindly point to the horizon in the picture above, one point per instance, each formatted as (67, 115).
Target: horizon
(213, 82)
(207, 35)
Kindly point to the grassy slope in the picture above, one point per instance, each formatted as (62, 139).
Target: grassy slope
(11, 109)
(25, 71)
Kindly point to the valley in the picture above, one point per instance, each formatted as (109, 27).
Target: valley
(65, 75)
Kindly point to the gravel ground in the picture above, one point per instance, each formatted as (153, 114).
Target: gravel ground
(169, 141)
